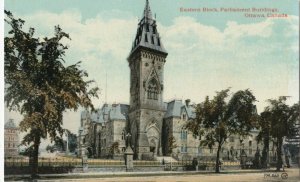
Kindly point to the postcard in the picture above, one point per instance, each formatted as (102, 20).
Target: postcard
(149, 90)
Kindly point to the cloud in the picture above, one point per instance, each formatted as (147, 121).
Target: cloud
(202, 59)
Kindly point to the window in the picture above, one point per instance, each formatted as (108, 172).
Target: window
(183, 148)
(250, 147)
(123, 135)
(183, 135)
(158, 41)
(147, 27)
(154, 30)
(146, 38)
(152, 92)
(199, 150)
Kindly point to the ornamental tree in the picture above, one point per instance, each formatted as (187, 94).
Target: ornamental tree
(216, 120)
(39, 85)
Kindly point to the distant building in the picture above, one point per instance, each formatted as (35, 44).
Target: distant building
(11, 139)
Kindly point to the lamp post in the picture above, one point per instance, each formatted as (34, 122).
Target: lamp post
(128, 153)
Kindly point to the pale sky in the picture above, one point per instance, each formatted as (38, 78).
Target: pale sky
(208, 51)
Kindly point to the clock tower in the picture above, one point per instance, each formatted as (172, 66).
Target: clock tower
(146, 62)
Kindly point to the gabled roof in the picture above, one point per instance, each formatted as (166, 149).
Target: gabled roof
(175, 108)
(189, 110)
(10, 124)
(147, 35)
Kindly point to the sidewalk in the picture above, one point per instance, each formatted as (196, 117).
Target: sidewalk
(128, 174)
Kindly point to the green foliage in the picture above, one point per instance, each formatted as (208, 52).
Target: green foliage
(38, 84)
(114, 148)
(27, 151)
(171, 143)
(277, 121)
(217, 119)
(50, 148)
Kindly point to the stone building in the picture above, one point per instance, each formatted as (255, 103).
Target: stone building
(11, 139)
(102, 130)
(150, 121)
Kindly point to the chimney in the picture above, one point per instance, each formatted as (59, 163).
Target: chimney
(187, 102)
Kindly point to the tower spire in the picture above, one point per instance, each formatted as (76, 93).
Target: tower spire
(147, 35)
(147, 11)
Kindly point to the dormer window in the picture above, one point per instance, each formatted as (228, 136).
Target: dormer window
(147, 27)
(154, 30)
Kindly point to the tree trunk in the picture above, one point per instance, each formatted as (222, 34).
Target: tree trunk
(218, 159)
(35, 157)
(265, 152)
(279, 153)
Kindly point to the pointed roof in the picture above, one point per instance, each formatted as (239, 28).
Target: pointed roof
(147, 11)
(147, 35)
(10, 124)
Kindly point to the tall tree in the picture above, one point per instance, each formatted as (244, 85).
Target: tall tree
(39, 85)
(263, 136)
(282, 119)
(217, 119)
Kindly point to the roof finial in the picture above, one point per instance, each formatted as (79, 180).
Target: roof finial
(147, 11)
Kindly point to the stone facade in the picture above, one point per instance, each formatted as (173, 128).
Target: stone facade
(11, 139)
(146, 62)
(102, 133)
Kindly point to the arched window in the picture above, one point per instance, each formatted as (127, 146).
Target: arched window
(152, 90)
(123, 135)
